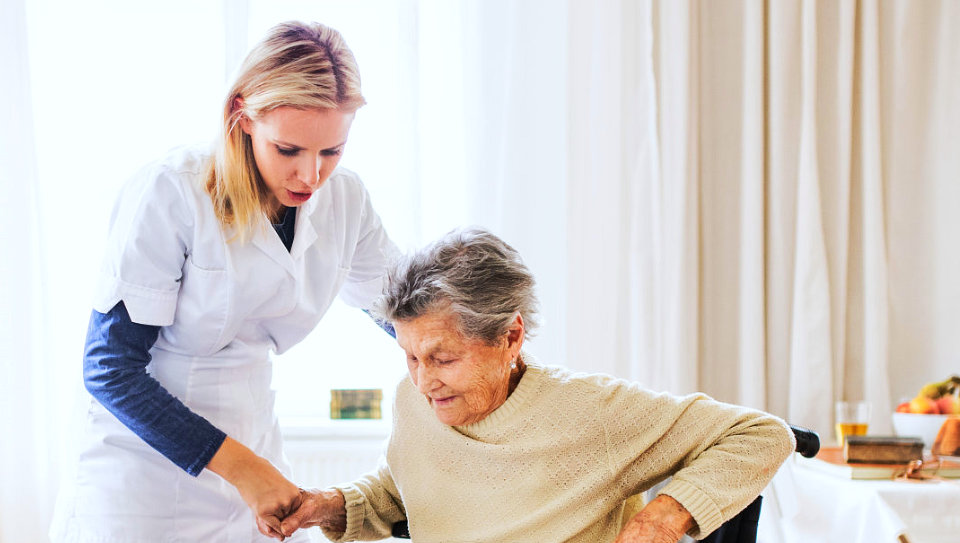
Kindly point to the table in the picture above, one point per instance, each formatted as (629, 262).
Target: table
(803, 504)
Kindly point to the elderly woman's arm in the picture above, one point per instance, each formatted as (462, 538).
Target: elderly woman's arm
(365, 509)
(720, 456)
(663, 520)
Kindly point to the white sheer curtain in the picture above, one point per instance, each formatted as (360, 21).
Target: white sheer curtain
(27, 459)
(78, 118)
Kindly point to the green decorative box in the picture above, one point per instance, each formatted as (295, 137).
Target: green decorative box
(355, 403)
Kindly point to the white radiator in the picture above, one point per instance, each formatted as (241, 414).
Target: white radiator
(324, 453)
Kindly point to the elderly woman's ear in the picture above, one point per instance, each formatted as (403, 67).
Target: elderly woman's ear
(515, 334)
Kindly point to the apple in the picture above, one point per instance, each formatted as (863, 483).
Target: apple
(924, 405)
(903, 407)
(949, 404)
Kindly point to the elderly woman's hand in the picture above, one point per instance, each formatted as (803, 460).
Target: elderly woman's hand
(325, 508)
(663, 520)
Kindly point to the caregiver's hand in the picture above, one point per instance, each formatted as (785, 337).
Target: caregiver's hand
(663, 520)
(265, 490)
(325, 508)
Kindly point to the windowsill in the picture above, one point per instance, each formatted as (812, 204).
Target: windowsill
(305, 428)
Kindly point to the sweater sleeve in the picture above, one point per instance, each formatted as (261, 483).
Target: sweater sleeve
(720, 456)
(373, 506)
(114, 372)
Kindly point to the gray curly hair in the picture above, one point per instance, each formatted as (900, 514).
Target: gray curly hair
(472, 273)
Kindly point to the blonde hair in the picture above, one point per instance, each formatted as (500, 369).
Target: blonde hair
(299, 65)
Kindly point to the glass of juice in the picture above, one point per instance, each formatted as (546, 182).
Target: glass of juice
(851, 419)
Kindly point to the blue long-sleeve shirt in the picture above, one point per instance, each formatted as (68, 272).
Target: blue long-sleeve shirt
(115, 372)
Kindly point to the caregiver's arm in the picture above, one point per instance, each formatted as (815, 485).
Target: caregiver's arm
(386, 326)
(264, 489)
(114, 371)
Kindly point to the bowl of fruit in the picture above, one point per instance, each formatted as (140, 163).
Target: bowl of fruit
(924, 415)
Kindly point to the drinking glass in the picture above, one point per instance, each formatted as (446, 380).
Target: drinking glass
(852, 419)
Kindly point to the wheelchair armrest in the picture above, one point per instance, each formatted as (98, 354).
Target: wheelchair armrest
(400, 530)
(808, 441)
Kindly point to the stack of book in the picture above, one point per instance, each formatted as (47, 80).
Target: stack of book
(830, 460)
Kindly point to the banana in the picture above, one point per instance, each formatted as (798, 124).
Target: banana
(943, 388)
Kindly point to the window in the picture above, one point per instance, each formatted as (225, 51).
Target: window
(145, 77)
(346, 350)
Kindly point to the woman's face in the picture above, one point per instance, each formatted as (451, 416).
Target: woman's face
(297, 149)
(463, 379)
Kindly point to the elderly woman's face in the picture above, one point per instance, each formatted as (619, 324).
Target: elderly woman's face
(463, 379)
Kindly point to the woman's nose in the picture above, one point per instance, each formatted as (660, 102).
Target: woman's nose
(308, 171)
(426, 379)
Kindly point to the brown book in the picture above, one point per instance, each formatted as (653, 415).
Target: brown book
(882, 449)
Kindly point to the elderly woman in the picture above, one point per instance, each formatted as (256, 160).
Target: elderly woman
(491, 445)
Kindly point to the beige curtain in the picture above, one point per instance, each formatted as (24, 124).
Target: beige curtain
(787, 176)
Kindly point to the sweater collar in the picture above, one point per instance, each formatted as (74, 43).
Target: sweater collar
(518, 400)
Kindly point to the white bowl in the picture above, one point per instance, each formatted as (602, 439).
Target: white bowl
(916, 425)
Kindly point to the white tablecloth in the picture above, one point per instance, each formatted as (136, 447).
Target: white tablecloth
(802, 504)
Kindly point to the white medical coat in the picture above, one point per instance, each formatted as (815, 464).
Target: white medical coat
(222, 307)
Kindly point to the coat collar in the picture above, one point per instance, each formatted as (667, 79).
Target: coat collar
(305, 234)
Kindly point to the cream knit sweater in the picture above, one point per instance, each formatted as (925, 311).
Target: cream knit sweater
(556, 461)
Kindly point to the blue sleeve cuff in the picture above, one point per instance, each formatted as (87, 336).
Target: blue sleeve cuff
(114, 371)
(387, 326)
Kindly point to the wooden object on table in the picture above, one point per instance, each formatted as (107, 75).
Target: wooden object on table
(830, 460)
(882, 449)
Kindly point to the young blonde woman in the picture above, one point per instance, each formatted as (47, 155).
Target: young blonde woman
(215, 258)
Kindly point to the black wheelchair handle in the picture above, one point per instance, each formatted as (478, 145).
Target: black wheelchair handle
(808, 442)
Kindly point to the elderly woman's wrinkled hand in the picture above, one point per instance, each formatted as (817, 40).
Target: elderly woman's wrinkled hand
(325, 508)
(663, 520)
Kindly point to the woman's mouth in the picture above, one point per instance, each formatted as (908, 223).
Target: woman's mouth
(440, 402)
(299, 197)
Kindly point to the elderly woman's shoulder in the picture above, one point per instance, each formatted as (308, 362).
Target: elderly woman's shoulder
(568, 377)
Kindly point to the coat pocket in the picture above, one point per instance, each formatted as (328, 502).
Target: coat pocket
(203, 306)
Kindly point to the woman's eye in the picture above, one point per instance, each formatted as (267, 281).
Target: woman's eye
(332, 152)
(446, 362)
(287, 152)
